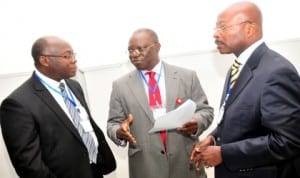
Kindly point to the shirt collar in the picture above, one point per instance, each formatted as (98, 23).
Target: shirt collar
(244, 56)
(156, 68)
(49, 81)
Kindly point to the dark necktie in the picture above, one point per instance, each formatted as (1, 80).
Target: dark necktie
(86, 136)
(155, 101)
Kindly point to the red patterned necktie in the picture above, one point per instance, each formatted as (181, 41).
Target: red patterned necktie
(155, 100)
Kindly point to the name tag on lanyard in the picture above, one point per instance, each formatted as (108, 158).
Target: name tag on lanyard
(222, 108)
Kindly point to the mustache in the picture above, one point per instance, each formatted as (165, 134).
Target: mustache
(218, 42)
(136, 59)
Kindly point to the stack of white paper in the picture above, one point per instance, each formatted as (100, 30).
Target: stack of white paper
(175, 118)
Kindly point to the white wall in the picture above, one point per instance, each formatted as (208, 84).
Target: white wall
(99, 29)
(8, 83)
(210, 66)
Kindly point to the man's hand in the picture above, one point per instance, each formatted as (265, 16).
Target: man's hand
(211, 156)
(189, 128)
(123, 132)
(196, 155)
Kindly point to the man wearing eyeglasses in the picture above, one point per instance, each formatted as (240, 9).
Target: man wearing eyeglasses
(46, 124)
(258, 135)
(146, 93)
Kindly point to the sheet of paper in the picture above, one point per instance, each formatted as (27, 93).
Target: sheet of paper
(175, 118)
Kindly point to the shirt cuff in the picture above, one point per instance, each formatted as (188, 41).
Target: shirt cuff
(123, 143)
(213, 140)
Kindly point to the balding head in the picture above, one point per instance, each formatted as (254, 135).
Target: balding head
(54, 57)
(152, 35)
(45, 45)
(143, 47)
(245, 12)
(238, 27)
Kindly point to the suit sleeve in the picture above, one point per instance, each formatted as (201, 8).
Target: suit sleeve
(116, 115)
(280, 115)
(22, 140)
(204, 112)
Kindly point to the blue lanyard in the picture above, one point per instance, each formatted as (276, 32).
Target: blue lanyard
(228, 91)
(72, 100)
(152, 90)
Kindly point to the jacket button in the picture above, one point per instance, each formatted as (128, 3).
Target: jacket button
(162, 152)
(218, 139)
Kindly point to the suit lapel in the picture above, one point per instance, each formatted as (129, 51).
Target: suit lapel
(243, 79)
(171, 83)
(225, 88)
(42, 92)
(135, 84)
(247, 72)
(80, 97)
(77, 94)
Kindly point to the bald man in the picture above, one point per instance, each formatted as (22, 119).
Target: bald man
(258, 135)
(41, 135)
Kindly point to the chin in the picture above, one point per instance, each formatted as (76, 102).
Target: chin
(139, 66)
(72, 74)
(223, 51)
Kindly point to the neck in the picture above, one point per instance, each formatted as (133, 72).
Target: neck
(48, 74)
(153, 65)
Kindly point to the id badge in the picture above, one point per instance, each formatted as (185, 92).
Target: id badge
(222, 109)
(157, 112)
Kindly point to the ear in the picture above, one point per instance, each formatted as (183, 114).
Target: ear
(44, 61)
(157, 46)
(250, 29)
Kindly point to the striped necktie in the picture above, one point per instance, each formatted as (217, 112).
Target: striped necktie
(234, 72)
(87, 137)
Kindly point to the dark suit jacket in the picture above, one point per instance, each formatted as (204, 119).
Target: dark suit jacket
(41, 140)
(260, 130)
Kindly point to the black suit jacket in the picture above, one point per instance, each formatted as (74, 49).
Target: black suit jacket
(41, 140)
(260, 130)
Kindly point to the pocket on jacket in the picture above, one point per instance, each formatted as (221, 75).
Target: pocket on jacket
(133, 151)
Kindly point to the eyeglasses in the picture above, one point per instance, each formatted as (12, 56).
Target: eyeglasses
(140, 50)
(224, 28)
(71, 56)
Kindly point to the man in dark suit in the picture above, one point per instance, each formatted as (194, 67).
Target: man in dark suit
(40, 133)
(259, 130)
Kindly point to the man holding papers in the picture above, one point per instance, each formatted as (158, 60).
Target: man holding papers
(149, 92)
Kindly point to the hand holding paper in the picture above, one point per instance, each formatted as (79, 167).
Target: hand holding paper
(175, 118)
(189, 127)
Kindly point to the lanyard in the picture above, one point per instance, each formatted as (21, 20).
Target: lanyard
(152, 90)
(228, 91)
(72, 100)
